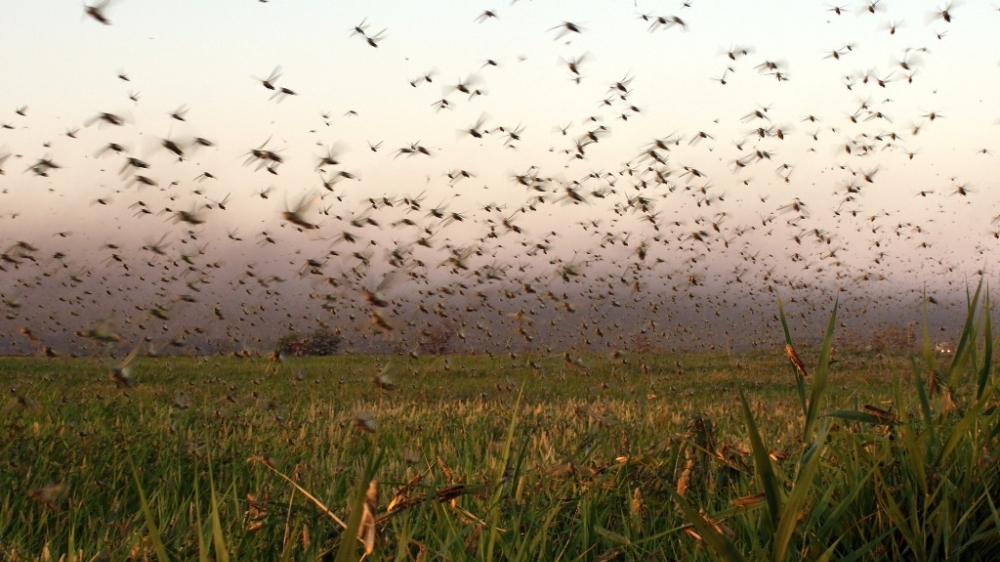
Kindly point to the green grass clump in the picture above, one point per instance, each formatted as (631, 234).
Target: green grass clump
(914, 481)
(592, 457)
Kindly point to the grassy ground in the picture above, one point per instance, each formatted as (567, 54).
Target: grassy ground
(596, 457)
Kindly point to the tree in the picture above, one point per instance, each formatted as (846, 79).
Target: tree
(436, 339)
(320, 342)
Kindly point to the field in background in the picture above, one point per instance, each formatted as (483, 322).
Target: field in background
(625, 456)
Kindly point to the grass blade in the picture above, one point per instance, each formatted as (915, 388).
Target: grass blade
(494, 524)
(925, 405)
(764, 471)
(151, 528)
(984, 370)
(797, 498)
(218, 537)
(304, 492)
(799, 383)
(821, 376)
(202, 546)
(927, 347)
(348, 551)
(961, 356)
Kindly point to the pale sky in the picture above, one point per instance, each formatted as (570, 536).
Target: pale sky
(732, 214)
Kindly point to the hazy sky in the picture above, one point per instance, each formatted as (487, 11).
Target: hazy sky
(799, 148)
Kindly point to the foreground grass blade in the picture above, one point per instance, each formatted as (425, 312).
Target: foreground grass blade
(797, 498)
(820, 377)
(962, 352)
(494, 523)
(218, 537)
(985, 369)
(962, 429)
(925, 405)
(202, 545)
(348, 551)
(151, 528)
(762, 464)
(799, 383)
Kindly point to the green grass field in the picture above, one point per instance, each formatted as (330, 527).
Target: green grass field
(597, 457)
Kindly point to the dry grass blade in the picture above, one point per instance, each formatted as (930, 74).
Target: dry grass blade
(403, 501)
(402, 494)
(366, 532)
(302, 490)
